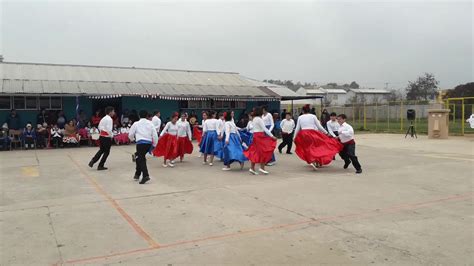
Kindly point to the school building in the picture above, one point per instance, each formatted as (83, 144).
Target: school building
(29, 87)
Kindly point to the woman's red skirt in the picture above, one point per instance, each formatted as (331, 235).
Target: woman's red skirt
(184, 146)
(167, 147)
(261, 149)
(197, 133)
(122, 138)
(313, 146)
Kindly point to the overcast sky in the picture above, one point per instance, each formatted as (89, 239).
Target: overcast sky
(372, 43)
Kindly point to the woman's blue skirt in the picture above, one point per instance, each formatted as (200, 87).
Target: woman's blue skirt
(210, 144)
(233, 152)
(246, 136)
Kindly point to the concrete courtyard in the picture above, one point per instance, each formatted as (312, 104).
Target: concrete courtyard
(412, 205)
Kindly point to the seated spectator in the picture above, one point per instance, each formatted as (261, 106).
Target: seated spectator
(13, 120)
(56, 136)
(95, 135)
(70, 133)
(41, 136)
(61, 122)
(95, 119)
(124, 118)
(42, 117)
(84, 132)
(82, 119)
(29, 136)
(4, 137)
(122, 135)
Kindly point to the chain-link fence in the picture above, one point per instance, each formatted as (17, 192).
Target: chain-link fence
(392, 117)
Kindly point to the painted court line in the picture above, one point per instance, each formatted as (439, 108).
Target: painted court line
(357, 215)
(152, 243)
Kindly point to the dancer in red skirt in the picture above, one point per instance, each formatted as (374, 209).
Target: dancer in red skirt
(184, 137)
(263, 144)
(314, 146)
(197, 130)
(168, 142)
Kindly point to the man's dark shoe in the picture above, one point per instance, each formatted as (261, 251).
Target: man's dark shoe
(346, 165)
(91, 164)
(279, 150)
(136, 177)
(134, 158)
(289, 152)
(101, 168)
(144, 180)
(359, 171)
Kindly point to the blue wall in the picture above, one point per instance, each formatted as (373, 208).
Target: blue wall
(167, 107)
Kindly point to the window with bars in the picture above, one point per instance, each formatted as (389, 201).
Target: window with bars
(30, 103)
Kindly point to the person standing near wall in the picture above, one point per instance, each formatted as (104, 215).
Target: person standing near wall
(13, 120)
(105, 139)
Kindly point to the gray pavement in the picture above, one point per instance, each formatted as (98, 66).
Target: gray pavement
(412, 205)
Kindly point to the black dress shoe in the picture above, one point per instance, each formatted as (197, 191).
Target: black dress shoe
(346, 165)
(144, 180)
(289, 152)
(279, 151)
(91, 164)
(136, 177)
(134, 158)
(359, 171)
(100, 168)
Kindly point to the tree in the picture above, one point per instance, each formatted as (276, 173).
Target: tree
(463, 90)
(394, 96)
(333, 84)
(424, 88)
(354, 85)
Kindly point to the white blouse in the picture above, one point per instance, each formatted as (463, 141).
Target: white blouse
(230, 128)
(184, 129)
(259, 126)
(268, 121)
(170, 128)
(250, 126)
(309, 121)
(209, 124)
(220, 127)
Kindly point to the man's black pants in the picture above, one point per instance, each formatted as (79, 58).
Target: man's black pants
(348, 154)
(287, 141)
(140, 161)
(104, 150)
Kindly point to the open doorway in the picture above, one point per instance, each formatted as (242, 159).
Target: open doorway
(102, 103)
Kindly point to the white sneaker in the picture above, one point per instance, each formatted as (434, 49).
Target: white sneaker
(315, 167)
(271, 164)
(253, 172)
(204, 163)
(263, 171)
(164, 165)
(170, 165)
(200, 155)
(210, 164)
(172, 162)
(226, 169)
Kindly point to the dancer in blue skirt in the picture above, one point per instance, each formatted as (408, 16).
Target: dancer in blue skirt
(232, 150)
(210, 144)
(246, 134)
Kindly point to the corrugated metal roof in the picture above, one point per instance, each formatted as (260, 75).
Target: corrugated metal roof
(369, 91)
(98, 80)
(335, 91)
(282, 91)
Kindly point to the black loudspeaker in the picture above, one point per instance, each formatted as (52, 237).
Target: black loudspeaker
(411, 114)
